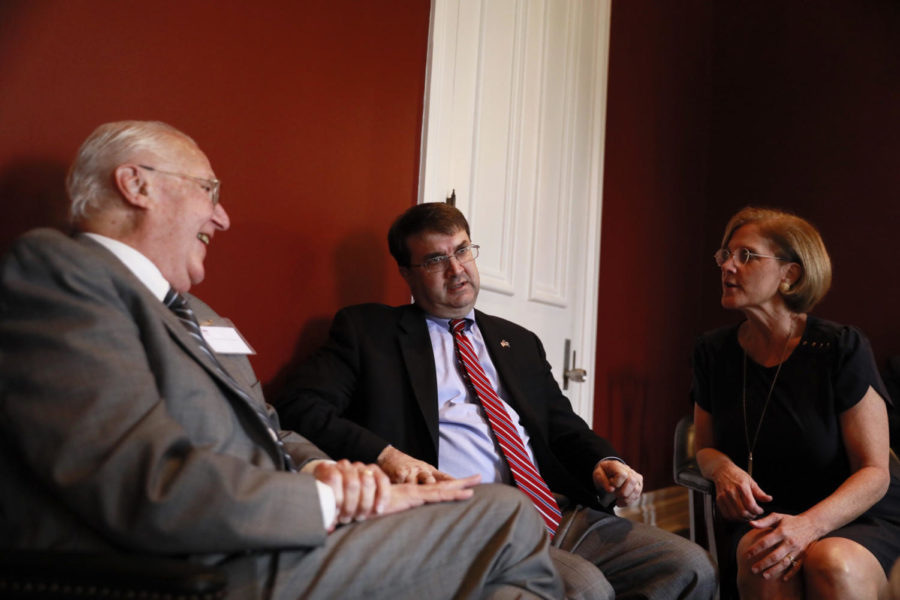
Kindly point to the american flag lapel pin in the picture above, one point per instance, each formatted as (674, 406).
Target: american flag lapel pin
(504, 343)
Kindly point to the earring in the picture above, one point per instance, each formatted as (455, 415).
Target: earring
(785, 287)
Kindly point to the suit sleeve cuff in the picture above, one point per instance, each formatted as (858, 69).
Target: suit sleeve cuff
(327, 504)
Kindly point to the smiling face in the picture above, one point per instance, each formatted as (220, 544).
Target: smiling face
(757, 283)
(449, 293)
(181, 219)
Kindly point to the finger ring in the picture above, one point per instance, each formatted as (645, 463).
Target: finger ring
(791, 560)
(368, 472)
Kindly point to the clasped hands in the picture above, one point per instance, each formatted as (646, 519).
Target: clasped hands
(364, 491)
(610, 475)
(783, 540)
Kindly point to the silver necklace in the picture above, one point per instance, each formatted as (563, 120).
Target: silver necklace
(752, 446)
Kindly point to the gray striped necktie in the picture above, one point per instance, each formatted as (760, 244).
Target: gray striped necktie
(178, 305)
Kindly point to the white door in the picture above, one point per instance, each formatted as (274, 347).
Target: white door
(514, 125)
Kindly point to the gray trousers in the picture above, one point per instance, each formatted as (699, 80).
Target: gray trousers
(491, 546)
(637, 561)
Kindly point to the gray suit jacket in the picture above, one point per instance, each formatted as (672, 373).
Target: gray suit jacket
(116, 432)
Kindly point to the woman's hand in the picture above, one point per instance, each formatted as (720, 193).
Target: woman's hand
(780, 552)
(737, 494)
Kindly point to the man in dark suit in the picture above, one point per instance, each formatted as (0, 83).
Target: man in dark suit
(400, 386)
(126, 427)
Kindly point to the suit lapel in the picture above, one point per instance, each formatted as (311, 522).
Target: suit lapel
(175, 328)
(418, 357)
(181, 335)
(239, 395)
(502, 357)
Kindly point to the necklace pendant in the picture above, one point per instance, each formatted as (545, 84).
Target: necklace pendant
(750, 464)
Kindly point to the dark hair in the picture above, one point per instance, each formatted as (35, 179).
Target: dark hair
(798, 241)
(431, 216)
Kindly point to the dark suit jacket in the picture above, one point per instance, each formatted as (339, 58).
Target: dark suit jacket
(115, 430)
(374, 384)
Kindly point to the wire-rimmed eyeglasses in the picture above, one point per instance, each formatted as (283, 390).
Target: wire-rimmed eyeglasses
(211, 186)
(463, 255)
(741, 256)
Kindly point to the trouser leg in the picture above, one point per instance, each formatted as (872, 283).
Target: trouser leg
(491, 546)
(639, 561)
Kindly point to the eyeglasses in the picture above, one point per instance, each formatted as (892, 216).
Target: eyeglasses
(211, 186)
(741, 256)
(463, 255)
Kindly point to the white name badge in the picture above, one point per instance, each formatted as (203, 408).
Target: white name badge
(225, 340)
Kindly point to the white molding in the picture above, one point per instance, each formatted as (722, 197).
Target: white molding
(595, 193)
(498, 273)
(554, 153)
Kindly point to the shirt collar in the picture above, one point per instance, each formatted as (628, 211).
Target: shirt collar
(444, 322)
(142, 267)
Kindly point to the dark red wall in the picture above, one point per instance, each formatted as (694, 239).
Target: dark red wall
(713, 106)
(809, 121)
(654, 194)
(311, 115)
(309, 111)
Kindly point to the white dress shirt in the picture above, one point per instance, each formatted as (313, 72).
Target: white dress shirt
(466, 441)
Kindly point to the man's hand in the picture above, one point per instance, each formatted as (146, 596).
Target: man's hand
(403, 468)
(360, 491)
(364, 491)
(618, 478)
(408, 495)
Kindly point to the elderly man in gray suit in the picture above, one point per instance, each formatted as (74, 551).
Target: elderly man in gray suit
(125, 429)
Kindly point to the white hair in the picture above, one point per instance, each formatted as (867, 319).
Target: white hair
(90, 182)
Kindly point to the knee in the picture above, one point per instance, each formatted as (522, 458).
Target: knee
(894, 585)
(506, 496)
(504, 503)
(701, 564)
(582, 580)
(826, 562)
(740, 560)
(838, 564)
(749, 584)
(689, 564)
(694, 559)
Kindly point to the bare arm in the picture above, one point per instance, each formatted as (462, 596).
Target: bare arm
(865, 431)
(737, 494)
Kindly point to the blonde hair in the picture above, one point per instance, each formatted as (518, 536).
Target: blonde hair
(798, 241)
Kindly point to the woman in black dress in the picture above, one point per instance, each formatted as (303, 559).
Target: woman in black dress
(791, 423)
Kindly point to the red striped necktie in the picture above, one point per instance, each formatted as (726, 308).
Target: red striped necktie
(523, 470)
